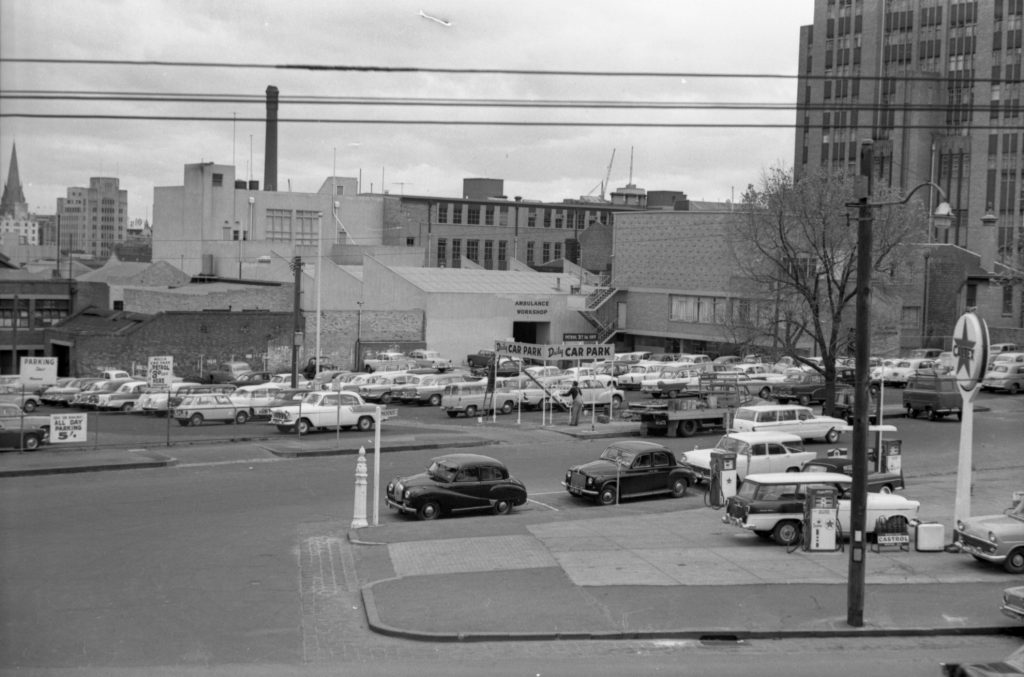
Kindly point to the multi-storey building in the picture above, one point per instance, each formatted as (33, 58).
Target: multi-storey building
(936, 85)
(92, 220)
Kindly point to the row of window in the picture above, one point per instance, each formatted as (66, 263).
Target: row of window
(491, 215)
(549, 251)
(32, 313)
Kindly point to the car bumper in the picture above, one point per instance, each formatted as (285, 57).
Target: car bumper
(989, 554)
(1014, 612)
(737, 522)
(401, 507)
(579, 491)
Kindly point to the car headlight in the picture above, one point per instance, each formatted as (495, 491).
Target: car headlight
(960, 526)
(568, 475)
(407, 494)
(590, 481)
(992, 538)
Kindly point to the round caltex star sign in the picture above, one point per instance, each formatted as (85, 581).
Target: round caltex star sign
(970, 350)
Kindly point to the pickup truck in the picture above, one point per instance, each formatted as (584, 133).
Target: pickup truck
(756, 452)
(323, 410)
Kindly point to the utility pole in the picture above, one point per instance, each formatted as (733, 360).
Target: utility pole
(297, 319)
(862, 351)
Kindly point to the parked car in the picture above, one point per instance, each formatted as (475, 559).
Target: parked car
(1008, 376)
(432, 359)
(429, 388)
(844, 404)
(13, 416)
(638, 373)
(997, 350)
(672, 381)
(24, 398)
(122, 399)
(255, 399)
(788, 418)
(455, 483)
(932, 394)
(227, 372)
(18, 437)
(382, 387)
(62, 395)
(925, 353)
(288, 396)
(90, 397)
(998, 539)
(198, 409)
(878, 482)
(176, 396)
(903, 370)
(595, 392)
(255, 378)
(154, 399)
(756, 452)
(805, 387)
(630, 469)
(471, 398)
(772, 504)
(324, 410)
(1013, 603)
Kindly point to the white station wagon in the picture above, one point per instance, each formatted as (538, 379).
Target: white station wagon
(790, 418)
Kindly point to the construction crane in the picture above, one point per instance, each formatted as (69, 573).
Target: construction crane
(603, 186)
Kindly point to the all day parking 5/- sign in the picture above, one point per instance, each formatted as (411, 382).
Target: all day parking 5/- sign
(68, 428)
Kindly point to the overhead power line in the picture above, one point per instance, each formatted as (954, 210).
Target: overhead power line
(345, 68)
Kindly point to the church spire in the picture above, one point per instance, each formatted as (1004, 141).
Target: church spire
(13, 201)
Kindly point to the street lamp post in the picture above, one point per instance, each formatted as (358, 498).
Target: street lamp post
(862, 353)
(319, 274)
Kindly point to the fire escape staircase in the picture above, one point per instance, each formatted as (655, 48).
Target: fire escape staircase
(605, 330)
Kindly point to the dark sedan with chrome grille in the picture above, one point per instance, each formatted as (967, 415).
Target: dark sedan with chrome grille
(456, 483)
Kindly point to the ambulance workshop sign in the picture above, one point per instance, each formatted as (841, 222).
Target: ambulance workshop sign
(532, 308)
(536, 351)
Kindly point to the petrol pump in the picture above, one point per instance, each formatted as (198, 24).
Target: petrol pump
(892, 456)
(723, 477)
(821, 519)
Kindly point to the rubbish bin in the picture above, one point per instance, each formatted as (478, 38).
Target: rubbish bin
(930, 537)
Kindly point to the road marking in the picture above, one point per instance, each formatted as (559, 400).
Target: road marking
(211, 463)
(549, 507)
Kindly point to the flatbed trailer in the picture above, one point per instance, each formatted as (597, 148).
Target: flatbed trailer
(712, 408)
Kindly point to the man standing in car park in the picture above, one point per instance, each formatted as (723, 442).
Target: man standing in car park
(577, 403)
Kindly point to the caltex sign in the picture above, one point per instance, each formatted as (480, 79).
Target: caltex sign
(970, 350)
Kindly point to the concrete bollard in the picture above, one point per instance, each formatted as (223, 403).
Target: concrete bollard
(359, 507)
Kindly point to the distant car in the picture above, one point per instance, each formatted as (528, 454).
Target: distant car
(998, 539)
(629, 469)
(1008, 376)
(878, 482)
(456, 483)
(198, 409)
(24, 398)
(255, 399)
(253, 378)
(432, 359)
(63, 392)
(789, 418)
(227, 372)
(154, 398)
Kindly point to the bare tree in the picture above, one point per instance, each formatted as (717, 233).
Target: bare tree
(796, 251)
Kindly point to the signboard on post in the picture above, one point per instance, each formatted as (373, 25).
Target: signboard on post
(160, 370)
(564, 351)
(970, 348)
(36, 372)
(581, 338)
(69, 428)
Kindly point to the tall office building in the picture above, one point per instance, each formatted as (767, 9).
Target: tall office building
(936, 84)
(92, 220)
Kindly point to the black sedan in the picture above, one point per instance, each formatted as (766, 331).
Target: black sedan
(878, 482)
(16, 437)
(455, 483)
(630, 469)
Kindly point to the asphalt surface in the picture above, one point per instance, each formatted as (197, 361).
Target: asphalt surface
(540, 574)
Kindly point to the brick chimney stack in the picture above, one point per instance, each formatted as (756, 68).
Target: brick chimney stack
(270, 151)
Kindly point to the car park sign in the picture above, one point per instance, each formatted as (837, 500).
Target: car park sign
(563, 351)
(38, 371)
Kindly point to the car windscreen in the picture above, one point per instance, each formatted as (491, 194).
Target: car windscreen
(614, 453)
(440, 471)
(728, 443)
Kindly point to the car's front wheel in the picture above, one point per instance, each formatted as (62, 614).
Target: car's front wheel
(195, 419)
(786, 532)
(507, 407)
(241, 416)
(303, 427)
(832, 436)
(1014, 562)
(29, 406)
(502, 506)
(679, 486)
(435, 400)
(31, 442)
(470, 411)
(607, 495)
(429, 511)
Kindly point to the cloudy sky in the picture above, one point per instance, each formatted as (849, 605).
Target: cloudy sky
(356, 124)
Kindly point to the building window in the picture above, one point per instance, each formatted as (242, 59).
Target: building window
(558, 250)
(49, 312)
(473, 250)
(474, 215)
(306, 227)
(529, 253)
(410, 242)
(12, 315)
(442, 252)
(559, 220)
(457, 214)
(456, 253)
(531, 218)
(545, 255)
(279, 225)
(502, 255)
(547, 218)
(488, 254)
(442, 213)
(971, 297)
(118, 305)
(1007, 300)
(698, 309)
(911, 316)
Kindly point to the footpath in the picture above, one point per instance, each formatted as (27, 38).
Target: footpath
(620, 571)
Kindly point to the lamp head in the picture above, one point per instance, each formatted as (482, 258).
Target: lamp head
(943, 216)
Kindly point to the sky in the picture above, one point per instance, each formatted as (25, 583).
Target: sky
(668, 46)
